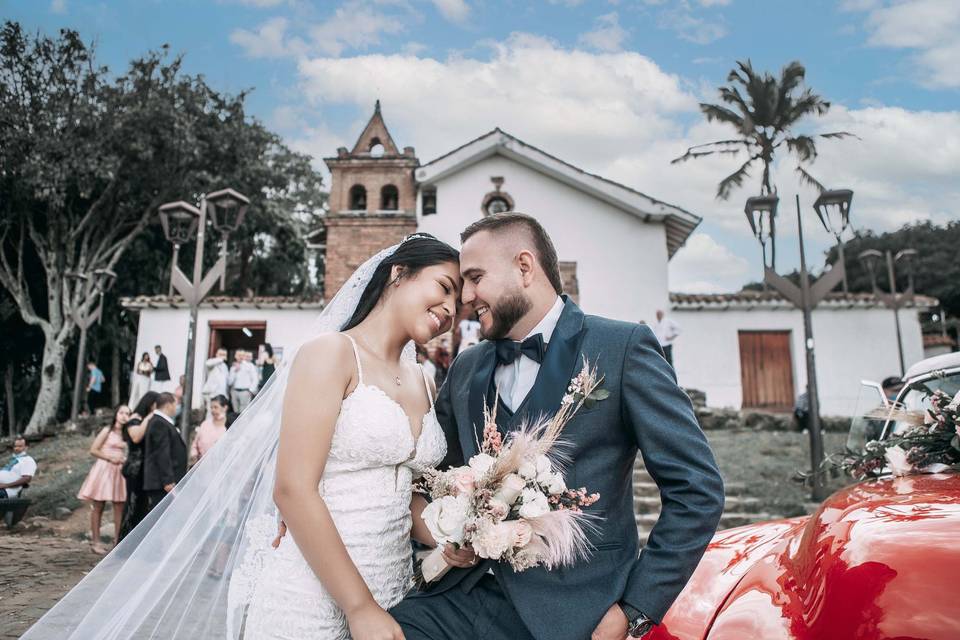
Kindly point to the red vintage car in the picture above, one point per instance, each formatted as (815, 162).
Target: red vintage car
(879, 560)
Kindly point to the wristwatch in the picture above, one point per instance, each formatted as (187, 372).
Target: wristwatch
(639, 624)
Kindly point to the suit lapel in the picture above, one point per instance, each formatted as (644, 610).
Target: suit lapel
(479, 383)
(557, 368)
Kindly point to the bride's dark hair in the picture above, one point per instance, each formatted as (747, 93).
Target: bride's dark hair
(418, 251)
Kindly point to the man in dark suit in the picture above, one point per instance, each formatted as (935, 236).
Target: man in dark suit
(536, 341)
(161, 372)
(165, 453)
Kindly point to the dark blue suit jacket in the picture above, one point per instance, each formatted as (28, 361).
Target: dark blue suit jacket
(645, 411)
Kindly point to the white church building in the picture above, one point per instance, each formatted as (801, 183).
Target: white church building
(614, 244)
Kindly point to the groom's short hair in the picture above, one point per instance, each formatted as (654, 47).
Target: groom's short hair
(542, 244)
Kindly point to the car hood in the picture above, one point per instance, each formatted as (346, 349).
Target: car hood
(877, 560)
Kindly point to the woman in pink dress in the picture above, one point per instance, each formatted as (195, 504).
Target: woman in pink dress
(105, 482)
(211, 429)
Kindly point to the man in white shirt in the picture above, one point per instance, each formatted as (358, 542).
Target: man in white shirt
(666, 331)
(243, 381)
(217, 373)
(18, 470)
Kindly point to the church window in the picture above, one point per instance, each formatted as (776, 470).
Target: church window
(389, 198)
(358, 198)
(376, 148)
(496, 204)
(429, 202)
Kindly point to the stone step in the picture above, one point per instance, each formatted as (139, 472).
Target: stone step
(649, 488)
(651, 504)
(729, 520)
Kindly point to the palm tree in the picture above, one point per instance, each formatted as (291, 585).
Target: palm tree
(764, 120)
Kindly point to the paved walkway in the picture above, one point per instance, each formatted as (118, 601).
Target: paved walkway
(35, 573)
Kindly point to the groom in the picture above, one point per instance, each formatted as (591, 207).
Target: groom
(536, 341)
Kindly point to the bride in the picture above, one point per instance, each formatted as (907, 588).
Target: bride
(331, 445)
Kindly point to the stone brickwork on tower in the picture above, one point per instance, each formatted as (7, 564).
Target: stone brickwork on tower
(373, 201)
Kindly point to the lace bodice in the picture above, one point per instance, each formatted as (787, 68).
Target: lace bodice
(367, 486)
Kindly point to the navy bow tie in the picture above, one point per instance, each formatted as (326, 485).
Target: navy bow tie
(509, 350)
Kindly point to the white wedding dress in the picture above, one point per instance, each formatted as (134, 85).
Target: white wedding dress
(366, 485)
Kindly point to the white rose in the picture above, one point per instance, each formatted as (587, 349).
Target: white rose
(446, 517)
(492, 540)
(534, 504)
(528, 470)
(556, 486)
(544, 470)
(897, 459)
(498, 509)
(481, 463)
(510, 489)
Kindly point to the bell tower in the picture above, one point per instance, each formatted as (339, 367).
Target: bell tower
(373, 201)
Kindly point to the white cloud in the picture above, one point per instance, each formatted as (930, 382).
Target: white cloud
(705, 266)
(930, 27)
(270, 40)
(623, 117)
(456, 11)
(691, 28)
(606, 35)
(714, 3)
(355, 25)
(58, 6)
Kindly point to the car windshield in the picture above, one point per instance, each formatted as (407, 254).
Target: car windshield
(868, 418)
(915, 399)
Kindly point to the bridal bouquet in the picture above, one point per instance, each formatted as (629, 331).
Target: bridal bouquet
(510, 502)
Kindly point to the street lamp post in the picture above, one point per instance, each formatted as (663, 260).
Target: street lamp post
(805, 297)
(893, 300)
(180, 219)
(833, 209)
(98, 284)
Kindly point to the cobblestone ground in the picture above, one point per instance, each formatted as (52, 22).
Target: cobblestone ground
(35, 573)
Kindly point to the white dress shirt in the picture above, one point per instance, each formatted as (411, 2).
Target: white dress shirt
(515, 380)
(666, 331)
(244, 378)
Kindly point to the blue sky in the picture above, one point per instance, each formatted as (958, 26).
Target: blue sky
(610, 86)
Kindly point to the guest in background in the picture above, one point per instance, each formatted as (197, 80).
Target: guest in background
(105, 482)
(216, 381)
(161, 372)
(423, 357)
(666, 331)
(441, 361)
(243, 381)
(95, 380)
(178, 395)
(141, 379)
(469, 332)
(211, 429)
(892, 387)
(134, 430)
(18, 471)
(165, 454)
(268, 364)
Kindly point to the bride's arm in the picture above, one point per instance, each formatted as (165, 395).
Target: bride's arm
(319, 377)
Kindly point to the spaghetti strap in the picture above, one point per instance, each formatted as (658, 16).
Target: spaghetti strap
(426, 383)
(356, 354)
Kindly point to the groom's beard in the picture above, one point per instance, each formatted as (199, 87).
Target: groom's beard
(507, 312)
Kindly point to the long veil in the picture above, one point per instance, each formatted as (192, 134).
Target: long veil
(187, 570)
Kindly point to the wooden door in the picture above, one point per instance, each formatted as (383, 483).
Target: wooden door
(766, 370)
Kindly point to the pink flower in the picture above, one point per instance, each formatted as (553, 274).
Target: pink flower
(464, 480)
(492, 540)
(522, 533)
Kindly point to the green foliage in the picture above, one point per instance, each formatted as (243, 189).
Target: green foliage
(86, 158)
(764, 111)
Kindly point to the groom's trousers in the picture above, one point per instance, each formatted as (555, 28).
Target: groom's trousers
(458, 614)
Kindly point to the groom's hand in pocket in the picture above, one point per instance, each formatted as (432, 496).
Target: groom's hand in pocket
(464, 557)
(613, 625)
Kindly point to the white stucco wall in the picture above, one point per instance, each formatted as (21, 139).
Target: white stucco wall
(850, 345)
(621, 261)
(168, 327)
